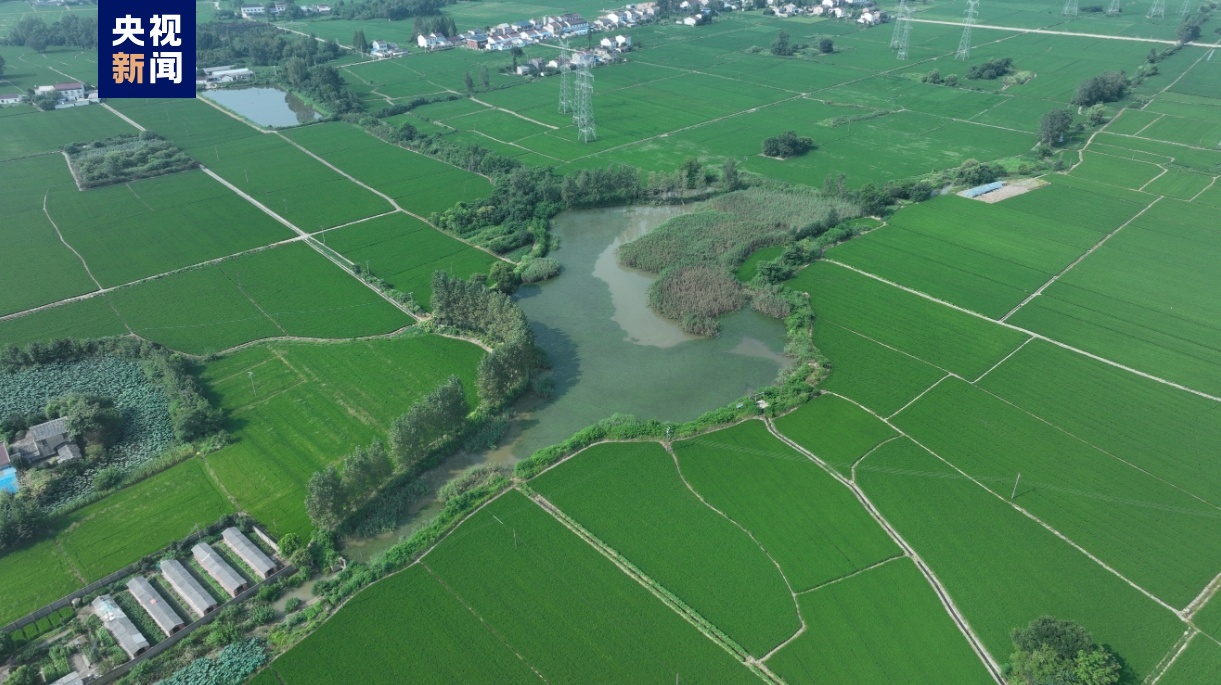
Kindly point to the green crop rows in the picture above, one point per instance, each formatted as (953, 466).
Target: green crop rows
(630, 496)
(835, 430)
(406, 252)
(927, 330)
(1001, 568)
(884, 625)
(419, 184)
(297, 408)
(809, 523)
(1150, 531)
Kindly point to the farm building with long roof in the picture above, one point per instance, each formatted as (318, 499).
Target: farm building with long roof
(120, 626)
(187, 587)
(155, 605)
(219, 569)
(248, 552)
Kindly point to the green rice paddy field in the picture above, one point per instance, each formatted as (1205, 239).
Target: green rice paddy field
(564, 610)
(406, 252)
(268, 167)
(808, 522)
(296, 408)
(1003, 569)
(631, 497)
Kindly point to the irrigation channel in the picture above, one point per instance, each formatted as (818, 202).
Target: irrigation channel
(611, 354)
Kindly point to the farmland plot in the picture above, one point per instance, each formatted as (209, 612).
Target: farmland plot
(1199, 664)
(284, 179)
(809, 523)
(139, 229)
(631, 497)
(880, 378)
(26, 231)
(1157, 535)
(1119, 302)
(567, 610)
(984, 257)
(288, 290)
(33, 577)
(296, 408)
(882, 626)
(28, 130)
(1004, 570)
(835, 430)
(1124, 173)
(453, 645)
(406, 252)
(419, 184)
(1169, 433)
(934, 333)
(91, 318)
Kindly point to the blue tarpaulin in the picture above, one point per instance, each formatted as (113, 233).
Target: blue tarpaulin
(980, 190)
(8, 480)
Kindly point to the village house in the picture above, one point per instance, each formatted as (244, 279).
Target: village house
(46, 444)
(10, 99)
(871, 17)
(249, 11)
(433, 41)
(230, 74)
(67, 92)
(382, 49)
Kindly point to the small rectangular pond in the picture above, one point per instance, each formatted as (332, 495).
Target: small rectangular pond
(264, 106)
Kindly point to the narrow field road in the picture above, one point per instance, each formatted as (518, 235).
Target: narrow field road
(943, 595)
(1103, 36)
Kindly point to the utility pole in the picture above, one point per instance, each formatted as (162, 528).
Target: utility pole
(1015, 484)
(252, 390)
(1070, 8)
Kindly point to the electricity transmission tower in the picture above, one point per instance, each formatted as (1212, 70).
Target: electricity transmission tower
(964, 43)
(1157, 10)
(584, 117)
(903, 30)
(565, 79)
(1185, 9)
(1070, 8)
(1114, 8)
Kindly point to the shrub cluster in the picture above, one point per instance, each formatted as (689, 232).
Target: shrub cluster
(992, 69)
(787, 144)
(125, 158)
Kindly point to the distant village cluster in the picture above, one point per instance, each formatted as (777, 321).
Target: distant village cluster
(519, 34)
(863, 11)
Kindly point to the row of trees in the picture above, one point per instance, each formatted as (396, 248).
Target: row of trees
(436, 424)
(469, 306)
(430, 425)
(73, 30)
